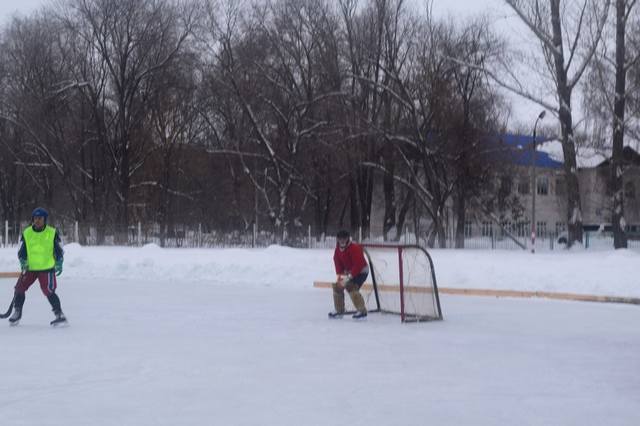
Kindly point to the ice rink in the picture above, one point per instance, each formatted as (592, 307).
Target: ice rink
(197, 352)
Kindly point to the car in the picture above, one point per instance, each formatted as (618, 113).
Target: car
(563, 237)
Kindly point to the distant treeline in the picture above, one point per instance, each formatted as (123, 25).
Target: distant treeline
(289, 113)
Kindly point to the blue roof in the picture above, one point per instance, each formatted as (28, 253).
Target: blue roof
(519, 150)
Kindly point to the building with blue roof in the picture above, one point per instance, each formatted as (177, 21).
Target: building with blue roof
(514, 152)
(519, 149)
(550, 187)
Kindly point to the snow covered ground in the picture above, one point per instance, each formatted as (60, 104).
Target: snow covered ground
(240, 337)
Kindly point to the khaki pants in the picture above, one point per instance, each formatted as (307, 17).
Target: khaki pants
(354, 294)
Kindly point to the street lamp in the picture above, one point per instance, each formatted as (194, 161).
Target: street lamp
(534, 187)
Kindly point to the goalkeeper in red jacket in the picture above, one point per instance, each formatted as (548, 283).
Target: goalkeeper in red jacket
(352, 271)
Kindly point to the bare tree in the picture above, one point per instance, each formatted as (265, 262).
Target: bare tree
(474, 124)
(175, 124)
(606, 102)
(10, 140)
(421, 92)
(568, 34)
(273, 67)
(39, 104)
(376, 38)
(132, 41)
(115, 116)
(632, 119)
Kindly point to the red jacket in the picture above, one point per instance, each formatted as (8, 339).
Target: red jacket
(351, 259)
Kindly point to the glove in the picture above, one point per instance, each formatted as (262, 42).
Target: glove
(343, 279)
(23, 265)
(58, 267)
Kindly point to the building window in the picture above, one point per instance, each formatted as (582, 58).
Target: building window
(523, 229)
(629, 191)
(561, 186)
(523, 186)
(542, 185)
(541, 229)
(560, 227)
(486, 229)
(468, 229)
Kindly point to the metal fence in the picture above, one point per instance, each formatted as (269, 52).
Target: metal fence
(196, 236)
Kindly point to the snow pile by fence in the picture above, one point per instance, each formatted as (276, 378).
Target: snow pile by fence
(611, 272)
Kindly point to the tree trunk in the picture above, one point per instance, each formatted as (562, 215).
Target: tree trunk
(354, 204)
(617, 190)
(389, 197)
(431, 235)
(322, 207)
(122, 220)
(574, 209)
(164, 204)
(442, 235)
(460, 219)
(402, 215)
(365, 186)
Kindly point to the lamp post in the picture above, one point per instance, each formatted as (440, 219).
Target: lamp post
(534, 187)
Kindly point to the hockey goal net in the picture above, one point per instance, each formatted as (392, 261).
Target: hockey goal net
(401, 281)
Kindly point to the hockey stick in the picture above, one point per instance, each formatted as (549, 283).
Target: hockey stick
(6, 314)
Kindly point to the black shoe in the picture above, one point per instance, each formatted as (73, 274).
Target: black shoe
(15, 317)
(335, 315)
(60, 320)
(359, 315)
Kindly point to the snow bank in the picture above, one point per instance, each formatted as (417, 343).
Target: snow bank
(612, 273)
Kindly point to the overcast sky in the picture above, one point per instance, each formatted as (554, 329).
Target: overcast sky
(442, 7)
(9, 7)
(466, 7)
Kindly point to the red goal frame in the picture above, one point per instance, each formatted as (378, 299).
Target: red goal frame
(402, 286)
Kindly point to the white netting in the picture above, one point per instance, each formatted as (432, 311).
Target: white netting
(407, 268)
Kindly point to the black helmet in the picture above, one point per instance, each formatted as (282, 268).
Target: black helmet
(343, 233)
(39, 212)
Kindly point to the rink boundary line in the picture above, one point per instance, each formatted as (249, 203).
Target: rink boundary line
(9, 274)
(473, 292)
(502, 293)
